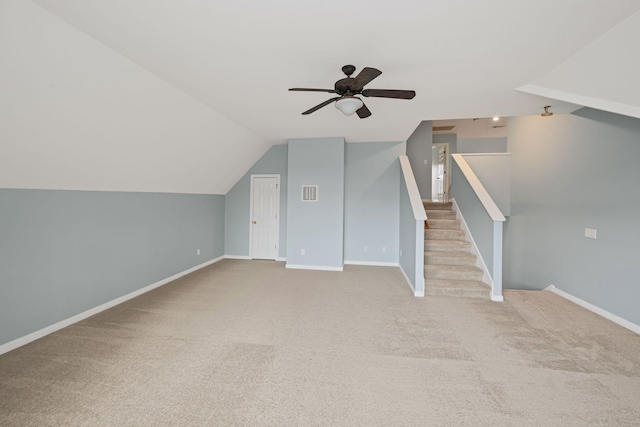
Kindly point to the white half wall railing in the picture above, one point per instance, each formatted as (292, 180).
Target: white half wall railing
(483, 218)
(411, 232)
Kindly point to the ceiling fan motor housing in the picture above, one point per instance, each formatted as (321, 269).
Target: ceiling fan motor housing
(346, 86)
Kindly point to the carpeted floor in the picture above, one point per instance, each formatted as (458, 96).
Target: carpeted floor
(251, 343)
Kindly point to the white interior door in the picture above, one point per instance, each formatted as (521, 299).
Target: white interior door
(439, 172)
(264, 216)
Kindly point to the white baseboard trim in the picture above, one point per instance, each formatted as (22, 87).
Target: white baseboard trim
(237, 257)
(246, 257)
(313, 267)
(597, 310)
(415, 294)
(19, 342)
(373, 263)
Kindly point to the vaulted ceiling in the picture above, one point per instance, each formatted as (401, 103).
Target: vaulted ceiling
(147, 95)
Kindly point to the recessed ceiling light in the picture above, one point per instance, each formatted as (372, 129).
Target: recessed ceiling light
(495, 119)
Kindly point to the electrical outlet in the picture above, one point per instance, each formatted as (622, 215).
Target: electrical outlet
(384, 250)
(302, 251)
(366, 249)
(426, 162)
(591, 233)
(197, 251)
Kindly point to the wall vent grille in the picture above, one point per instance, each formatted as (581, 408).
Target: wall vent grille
(309, 193)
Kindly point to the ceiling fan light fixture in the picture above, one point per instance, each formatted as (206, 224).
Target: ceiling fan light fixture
(349, 105)
(348, 87)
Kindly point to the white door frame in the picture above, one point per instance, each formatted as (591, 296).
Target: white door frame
(447, 169)
(277, 176)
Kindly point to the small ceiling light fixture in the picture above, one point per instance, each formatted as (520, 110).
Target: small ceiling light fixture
(495, 119)
(546, 112)
(349, 104)
(475, 120)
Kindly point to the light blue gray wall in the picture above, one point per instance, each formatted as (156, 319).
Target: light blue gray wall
(65, 252)
(418, 151)
(372, 173)
(572, 172)
(449, 138)
(482, 145)
(316, 227)
(475, 215)
(494, 172)
(237, 203)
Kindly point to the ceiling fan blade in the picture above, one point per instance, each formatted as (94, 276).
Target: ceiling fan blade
(363, 112)
(319, 106)
(302, 89)
(389, 93)
(365, 76)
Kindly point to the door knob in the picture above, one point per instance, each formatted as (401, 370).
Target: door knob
(253, 222)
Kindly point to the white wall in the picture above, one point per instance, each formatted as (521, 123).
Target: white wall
(602, 75)
(76, 115)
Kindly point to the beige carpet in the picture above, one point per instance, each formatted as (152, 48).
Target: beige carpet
(251, 343)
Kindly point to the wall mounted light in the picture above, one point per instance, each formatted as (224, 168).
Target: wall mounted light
(546, 112)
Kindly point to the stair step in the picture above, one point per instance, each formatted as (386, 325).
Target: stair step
(448, 224)
(457, 288)
(428, 205)
(453, 272)
(450, 267)
(449, 258)
(440, 214)
(447, 245)
(443, 234)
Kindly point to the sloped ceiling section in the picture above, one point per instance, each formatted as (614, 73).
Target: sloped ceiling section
(464, 58)
(184, 96)
(76, 115)
(603, 75)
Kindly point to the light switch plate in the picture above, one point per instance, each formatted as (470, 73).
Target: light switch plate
(591, 233)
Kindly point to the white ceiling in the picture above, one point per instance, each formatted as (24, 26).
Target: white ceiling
(184, 96)
(464, 58)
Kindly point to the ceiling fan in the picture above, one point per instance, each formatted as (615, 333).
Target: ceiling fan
(348, 87)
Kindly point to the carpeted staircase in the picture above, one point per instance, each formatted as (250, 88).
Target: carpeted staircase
(449, 266)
